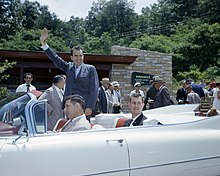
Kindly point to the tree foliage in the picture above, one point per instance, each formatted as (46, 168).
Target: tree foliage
(4, 66)
(196, 44)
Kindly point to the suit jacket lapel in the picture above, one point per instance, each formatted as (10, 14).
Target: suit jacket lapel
(139, 120)
(128, 122)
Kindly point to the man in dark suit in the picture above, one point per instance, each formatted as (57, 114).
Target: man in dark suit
(54, 97)
(81, 79)
(150, 95)
(162, 97)
(136, 104)
(181, 93)
(102, 97)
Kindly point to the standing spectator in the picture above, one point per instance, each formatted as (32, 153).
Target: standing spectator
(137, 89)
(102, 97)
(117, 106)
(181, 93)
(54, 97)
(196, 88)
(212, 85)
(216, 95)
(162, 97)
(81, 79)
(109, 93)
(202, 83)
(27, 86)
(150, 95)
(136, 104)
(192, 97)
(74, 110)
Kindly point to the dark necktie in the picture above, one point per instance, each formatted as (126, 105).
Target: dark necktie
(28, 87)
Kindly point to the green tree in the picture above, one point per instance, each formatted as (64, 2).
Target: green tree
(196, 44)
(158, 43)
(116, 17)
(73, 32)
(4, 66)
(28, 14)
(99, 45)
(29, 40)
(209, 11)
(8, 18)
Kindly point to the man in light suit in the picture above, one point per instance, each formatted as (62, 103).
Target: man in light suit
(136, 104)
(81, 79)
(74, 110)
(116, 95)
(54, 97)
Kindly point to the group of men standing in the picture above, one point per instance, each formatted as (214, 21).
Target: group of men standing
(109, 97)
(190, 92)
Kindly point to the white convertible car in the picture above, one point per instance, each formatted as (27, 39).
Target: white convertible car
(185, 145)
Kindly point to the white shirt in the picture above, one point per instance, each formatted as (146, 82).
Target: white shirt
(45, 47)
(116, 96)
(23, 88)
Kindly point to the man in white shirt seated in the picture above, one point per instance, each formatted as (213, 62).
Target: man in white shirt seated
(26, 87)
(74, 111)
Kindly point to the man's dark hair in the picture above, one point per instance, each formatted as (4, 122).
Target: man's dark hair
(27, 74)
(58, 78)
(76, 48)
(76, 99)
(136, 95)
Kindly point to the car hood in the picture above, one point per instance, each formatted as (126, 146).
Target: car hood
(2, 142)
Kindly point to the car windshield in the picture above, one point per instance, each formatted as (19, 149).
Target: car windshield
(12, 107)
(10, 98)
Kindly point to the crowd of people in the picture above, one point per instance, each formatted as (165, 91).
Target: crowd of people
(191, 93)
(77, 95)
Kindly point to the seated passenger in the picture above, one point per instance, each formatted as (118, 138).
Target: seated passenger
(74, 110)
(136, 104)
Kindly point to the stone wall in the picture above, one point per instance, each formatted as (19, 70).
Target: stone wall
(148, 62)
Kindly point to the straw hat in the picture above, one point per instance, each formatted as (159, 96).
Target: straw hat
(115, 84)
(157, 80)
(137, 84)
(105, 80)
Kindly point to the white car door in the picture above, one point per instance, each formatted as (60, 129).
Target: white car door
(92, 152)
(174, 150)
